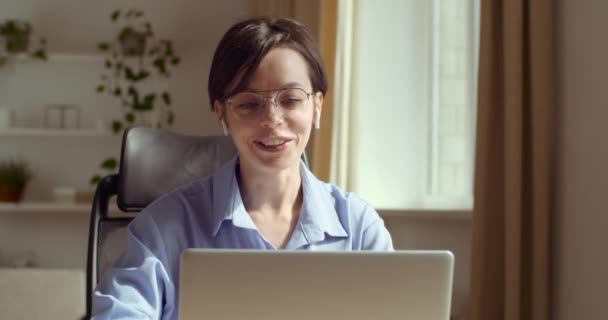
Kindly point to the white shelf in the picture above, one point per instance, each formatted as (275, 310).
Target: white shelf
(60, 57)
(42, 132)
(49, 207)
(77, 57)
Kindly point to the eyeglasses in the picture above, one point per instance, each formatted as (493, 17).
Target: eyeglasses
(250, 105)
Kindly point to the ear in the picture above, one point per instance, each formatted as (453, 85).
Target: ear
(217, 108)
(318, 100)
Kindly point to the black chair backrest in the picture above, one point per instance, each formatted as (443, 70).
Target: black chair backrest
(152, 162)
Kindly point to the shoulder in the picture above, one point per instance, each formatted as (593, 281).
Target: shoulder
(351, 205)
(354, 212)
(180, 200)
(359, 219)
(173, 213)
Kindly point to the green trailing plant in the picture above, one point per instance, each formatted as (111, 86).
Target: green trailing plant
(135, 58)
(109, 166)
(136, 61)
(16, 36)
(14, 175)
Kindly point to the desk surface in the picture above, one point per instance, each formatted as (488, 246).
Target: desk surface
(31, 293)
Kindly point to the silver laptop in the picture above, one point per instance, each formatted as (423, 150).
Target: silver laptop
(279, 285)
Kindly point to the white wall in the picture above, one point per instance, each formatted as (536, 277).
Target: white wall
(581, 257)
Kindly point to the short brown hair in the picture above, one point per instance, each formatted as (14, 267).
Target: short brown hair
(247, 42)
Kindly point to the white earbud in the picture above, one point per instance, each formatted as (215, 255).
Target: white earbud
(224, 127)
(317, 117)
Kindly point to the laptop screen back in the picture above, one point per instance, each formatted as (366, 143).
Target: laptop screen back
(278, 285)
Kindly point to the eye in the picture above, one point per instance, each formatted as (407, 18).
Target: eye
(247, 106)
(246, 103)
(292, 98)
(290, 102)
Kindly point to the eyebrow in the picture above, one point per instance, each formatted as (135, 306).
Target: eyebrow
(287, 85)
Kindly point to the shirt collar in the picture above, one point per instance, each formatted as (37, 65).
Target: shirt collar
(317, 217)
(227, 201)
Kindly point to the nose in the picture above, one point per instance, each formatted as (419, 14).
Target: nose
(272, 114)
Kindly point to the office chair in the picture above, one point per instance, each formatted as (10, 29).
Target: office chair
(152, 162)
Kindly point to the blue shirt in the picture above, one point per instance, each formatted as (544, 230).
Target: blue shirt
(209, 213)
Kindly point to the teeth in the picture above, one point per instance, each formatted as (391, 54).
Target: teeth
(272, 142)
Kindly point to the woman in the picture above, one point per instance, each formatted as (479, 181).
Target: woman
(266, 86)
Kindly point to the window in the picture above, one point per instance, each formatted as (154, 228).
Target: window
(405, 102)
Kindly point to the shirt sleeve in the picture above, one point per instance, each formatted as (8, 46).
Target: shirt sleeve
(135, 287)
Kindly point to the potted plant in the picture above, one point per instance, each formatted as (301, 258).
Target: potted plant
(16, 36)
(14, 176)
(137, 67)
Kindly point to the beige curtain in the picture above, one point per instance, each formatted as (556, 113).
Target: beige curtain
(320, 17)
(322, 147)
(511, 269)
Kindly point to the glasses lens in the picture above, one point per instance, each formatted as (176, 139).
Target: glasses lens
(292, 99)
(246, 104)
(250, 105)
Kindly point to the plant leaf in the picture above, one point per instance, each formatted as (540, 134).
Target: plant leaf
(130, 75)
(40, 54)
(124, 33)
(117, 91)
(103, 46)
(115, 15)
(131, 91)
(166, 98)
(109, 163)
(149, 99)
(101, 88)
(130, 117)
(116, 126)
(159, 63)
(95, 179)
(147, 103)
(168, 48)
(143, 75)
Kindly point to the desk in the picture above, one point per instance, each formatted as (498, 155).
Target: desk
(32, 294)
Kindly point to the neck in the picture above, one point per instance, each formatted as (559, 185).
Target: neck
(278, 193)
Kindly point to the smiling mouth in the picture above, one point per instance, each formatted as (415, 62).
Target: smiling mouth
(272, 142)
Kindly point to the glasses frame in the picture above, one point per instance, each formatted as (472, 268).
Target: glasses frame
(273, 99)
